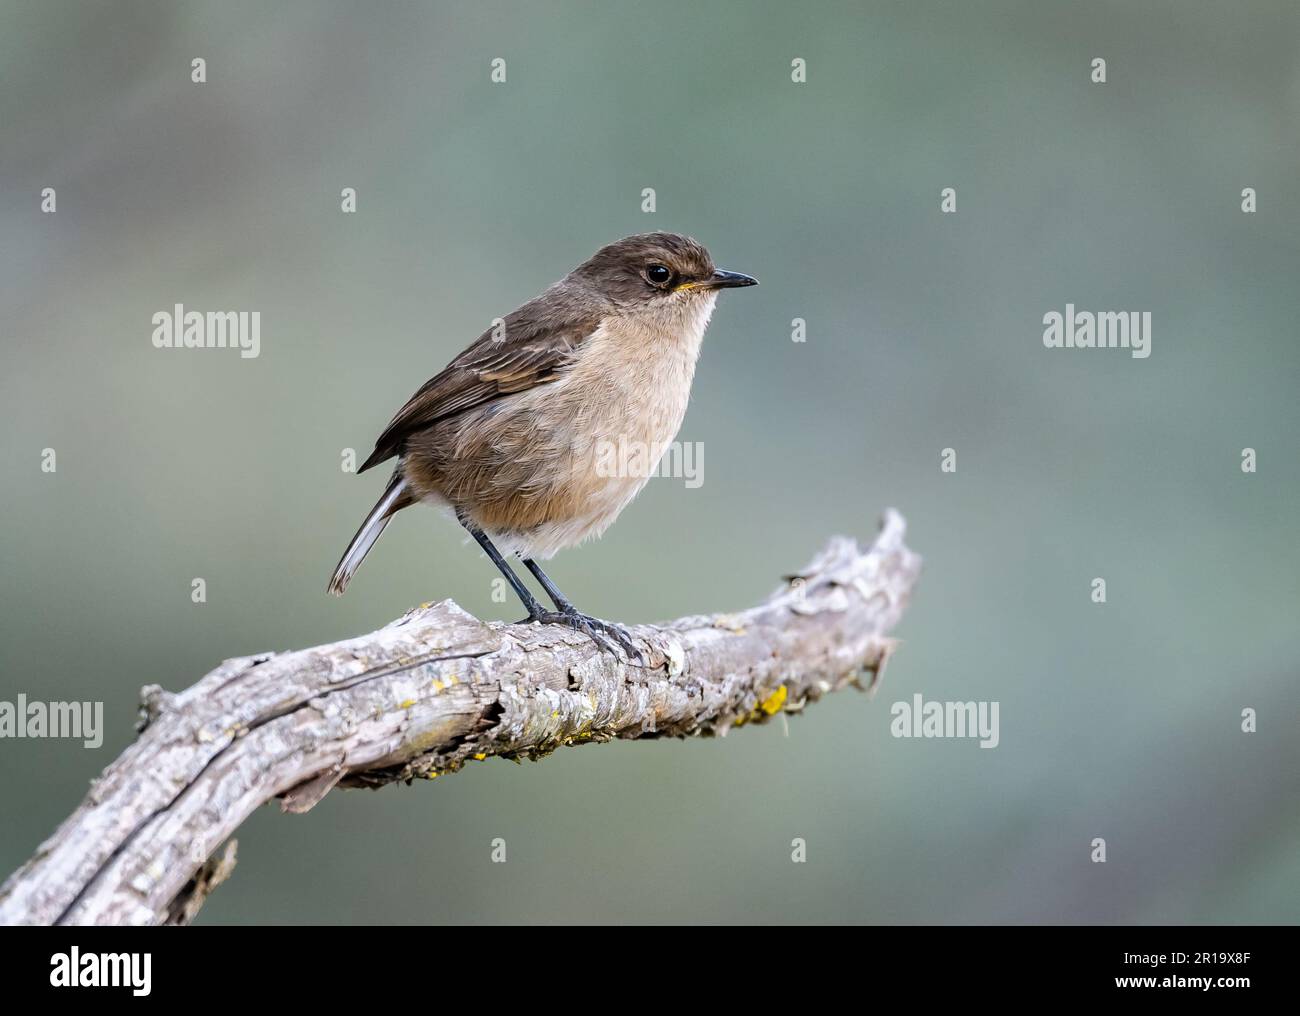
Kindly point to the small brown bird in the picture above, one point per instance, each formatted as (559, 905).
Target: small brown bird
(520, 435)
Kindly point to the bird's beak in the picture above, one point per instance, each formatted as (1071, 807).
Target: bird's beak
(729, 280)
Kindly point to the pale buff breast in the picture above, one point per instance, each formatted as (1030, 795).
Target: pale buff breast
(555, 465)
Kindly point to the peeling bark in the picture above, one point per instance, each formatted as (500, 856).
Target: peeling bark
(431, 692)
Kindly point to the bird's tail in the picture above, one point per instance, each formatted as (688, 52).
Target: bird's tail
(394, 499)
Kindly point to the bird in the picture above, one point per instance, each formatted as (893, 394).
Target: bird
(519, 436)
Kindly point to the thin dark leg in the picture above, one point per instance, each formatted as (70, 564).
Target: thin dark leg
(600, 632)
(558, 598)
(535, 609)
(584, 622)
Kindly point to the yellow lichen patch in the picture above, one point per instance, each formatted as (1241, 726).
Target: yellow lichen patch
(479, 756)
(406, 704)
(770, 706)
(437, 685)
(773, 703)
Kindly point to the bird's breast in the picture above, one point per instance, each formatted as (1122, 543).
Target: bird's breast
(631, 383)
(557, 464)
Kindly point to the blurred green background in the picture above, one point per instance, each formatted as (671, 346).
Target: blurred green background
(1119, 721)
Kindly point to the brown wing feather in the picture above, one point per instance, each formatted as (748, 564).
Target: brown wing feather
(538, 343)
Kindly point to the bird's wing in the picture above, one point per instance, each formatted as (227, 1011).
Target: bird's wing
(535, 345)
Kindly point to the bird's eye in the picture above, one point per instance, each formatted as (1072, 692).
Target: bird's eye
(658, 274)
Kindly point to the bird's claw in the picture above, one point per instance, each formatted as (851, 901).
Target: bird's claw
(610, 637)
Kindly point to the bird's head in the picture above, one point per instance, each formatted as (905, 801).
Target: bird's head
(655, 269)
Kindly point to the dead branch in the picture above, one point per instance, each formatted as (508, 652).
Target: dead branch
(433, 691)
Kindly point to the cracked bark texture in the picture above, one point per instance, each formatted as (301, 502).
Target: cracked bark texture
(433, 691)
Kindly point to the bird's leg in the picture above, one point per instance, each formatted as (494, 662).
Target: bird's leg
(584, 622)
(536, 612)
(535, 609)
(561, 601)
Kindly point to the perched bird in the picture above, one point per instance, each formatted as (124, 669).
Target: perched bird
(519, 435)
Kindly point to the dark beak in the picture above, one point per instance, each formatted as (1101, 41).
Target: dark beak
(730, 280)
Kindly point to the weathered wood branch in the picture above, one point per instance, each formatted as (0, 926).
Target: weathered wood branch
(424, 696)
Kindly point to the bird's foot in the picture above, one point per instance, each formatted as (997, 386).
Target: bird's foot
(610, 637)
